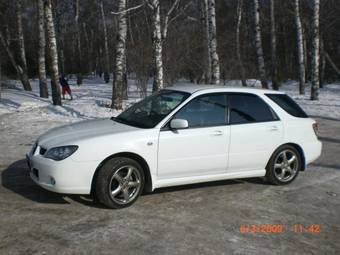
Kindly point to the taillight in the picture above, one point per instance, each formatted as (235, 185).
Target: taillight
(316, 128)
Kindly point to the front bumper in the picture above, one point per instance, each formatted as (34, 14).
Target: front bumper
(66, 176)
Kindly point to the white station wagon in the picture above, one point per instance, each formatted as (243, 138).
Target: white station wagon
(181, 135)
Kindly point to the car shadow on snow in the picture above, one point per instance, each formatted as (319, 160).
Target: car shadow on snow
(255, 180)
(16, 179)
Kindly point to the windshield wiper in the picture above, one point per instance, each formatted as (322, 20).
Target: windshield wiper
(120, 120)
(128, 122)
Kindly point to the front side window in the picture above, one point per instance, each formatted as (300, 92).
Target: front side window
(150, 111)
(205, 111)
(248, 108)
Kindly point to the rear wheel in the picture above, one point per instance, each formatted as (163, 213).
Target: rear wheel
(119, 183)
(284, 165)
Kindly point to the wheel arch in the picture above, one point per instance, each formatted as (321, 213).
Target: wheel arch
(134, 156)
(298, 148)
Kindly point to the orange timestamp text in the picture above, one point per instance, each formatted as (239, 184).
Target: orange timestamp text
(279, 228)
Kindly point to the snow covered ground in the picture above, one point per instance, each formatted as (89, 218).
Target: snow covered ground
(92, 100)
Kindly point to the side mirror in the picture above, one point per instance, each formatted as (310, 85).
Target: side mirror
(179, 124)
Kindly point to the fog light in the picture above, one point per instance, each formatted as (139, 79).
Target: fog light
(52, 180)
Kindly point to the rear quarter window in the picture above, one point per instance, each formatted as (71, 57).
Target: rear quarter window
(288, 104)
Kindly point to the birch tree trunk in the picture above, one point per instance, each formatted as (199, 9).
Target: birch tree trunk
(157, 46)
(42, 46)
(215, 63)
(78, 44)
(238, 45)
(22, 52)
(258, 44)
(300, 48)
(275, 83)
(60, 28)
(118, 83)
(315, 52)
(106, 44)
(206, 20)
(52, 49)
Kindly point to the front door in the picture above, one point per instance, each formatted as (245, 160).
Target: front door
(201, 149)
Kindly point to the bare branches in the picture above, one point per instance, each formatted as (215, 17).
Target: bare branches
(128, 10)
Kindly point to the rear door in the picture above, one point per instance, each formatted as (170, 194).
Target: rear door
(256, 131)
(200, 149)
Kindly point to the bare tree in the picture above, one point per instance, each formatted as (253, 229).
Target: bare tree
(300, 48)
(53, 52)
(118, 82)
(212, 42)
(157, 44)
(42, 46)
(23, 78)
(238, 44)
(106, 44)
(208, 66)
(159, 35)
(332, 64)
(78, 43)
(275, 83)
(22, 52)
(258, 44)
(315, 51)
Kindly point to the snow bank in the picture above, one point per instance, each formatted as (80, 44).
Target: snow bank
(93, 98)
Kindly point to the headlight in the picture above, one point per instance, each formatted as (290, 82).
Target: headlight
(60, 153)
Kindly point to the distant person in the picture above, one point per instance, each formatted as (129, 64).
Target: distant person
(65, 87)
(106, 77)
(100, 73)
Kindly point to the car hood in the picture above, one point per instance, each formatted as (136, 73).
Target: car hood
(71, 134)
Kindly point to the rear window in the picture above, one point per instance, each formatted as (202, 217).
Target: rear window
(288, 104)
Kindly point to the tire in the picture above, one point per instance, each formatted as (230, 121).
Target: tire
(284, 165)
(119, 183)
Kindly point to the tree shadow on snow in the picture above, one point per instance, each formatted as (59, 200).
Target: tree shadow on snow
(16, 179)
(9, 103)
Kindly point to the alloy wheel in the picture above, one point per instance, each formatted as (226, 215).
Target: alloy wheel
(125, 184)
(286, 165)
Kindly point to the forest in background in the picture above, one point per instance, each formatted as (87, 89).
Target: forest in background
(203, 41)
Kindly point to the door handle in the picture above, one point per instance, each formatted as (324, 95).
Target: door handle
(217, 133)
(273, 128)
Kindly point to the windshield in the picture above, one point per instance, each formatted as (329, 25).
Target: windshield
(150, 111)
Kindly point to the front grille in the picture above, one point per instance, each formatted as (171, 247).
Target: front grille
(42, 151)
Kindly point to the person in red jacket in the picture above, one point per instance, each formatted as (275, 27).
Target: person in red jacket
(65, 87)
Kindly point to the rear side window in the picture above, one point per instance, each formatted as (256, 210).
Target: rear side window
(248, 108)
(288, 104)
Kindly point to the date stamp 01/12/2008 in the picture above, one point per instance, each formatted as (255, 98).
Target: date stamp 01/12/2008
(279, 228)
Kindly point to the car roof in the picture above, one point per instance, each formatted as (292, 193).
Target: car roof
(193, 88)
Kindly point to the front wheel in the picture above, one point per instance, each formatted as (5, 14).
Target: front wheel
(119, 183)
(284, 165)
